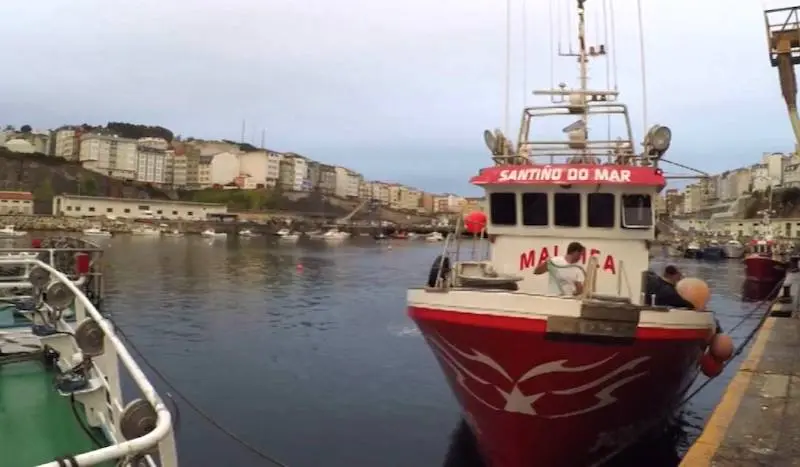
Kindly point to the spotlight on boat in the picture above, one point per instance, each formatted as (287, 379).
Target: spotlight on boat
(58, 296)
(657, 141)
(90, 338)
(138, 419)
(39, 277)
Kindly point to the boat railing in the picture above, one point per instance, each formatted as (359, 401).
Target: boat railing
(138, 432)
(62, 254)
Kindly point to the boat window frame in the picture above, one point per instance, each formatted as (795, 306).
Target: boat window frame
(522, 219)
(579, 197)
(514, 204)
(623, 222)
(613, 213)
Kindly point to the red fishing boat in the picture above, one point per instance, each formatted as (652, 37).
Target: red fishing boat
(545, 379)
(765, 267)
(764, 262)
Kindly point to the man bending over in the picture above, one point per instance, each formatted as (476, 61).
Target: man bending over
(566, 276)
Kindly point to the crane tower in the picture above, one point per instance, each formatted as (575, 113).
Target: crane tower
(783, 38)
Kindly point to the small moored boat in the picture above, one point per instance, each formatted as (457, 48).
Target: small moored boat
(10, 231)
(211, 233)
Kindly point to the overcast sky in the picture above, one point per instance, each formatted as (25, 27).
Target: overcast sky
(399, 90)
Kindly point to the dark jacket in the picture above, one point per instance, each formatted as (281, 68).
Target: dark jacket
(664, 292)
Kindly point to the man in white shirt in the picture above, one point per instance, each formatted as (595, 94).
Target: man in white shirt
(565, 275)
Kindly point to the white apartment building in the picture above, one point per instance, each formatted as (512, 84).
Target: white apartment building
(294, 173)
(20, 146)
(109, 155)
(175, 168)
(222, 169)
(66, 143)
(259, 169)
(151, 165)
(760, 176)
(347, 182)
(791, 175)
(775, 163)
(378, 191)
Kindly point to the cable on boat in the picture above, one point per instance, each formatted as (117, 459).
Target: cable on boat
(643, 64)
(507, 113)
(524, 15)
(202, 413)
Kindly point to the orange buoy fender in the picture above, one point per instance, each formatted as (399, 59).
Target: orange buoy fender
(710, 366)
(721, 347)
(694, 291)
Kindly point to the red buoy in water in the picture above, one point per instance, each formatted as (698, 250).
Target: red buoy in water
(710, 366)
(475, 222)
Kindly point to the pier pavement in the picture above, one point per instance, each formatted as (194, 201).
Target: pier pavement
(757, 421)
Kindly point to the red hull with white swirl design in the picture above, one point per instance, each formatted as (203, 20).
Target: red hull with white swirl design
(536, 398)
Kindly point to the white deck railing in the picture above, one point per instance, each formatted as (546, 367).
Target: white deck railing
(161, 436)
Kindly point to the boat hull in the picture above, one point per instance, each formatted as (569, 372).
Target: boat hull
(713, 253)
(693, 253)
(532, 399)
(764, 269)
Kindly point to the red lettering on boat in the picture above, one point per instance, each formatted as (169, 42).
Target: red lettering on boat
(529, 259)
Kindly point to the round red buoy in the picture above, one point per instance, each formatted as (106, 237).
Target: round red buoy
(710, 366)
(36, 243)
(694, 291)
(721, 347)
(475, 222)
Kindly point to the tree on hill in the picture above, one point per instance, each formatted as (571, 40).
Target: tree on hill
(25, 129)
(134, 131)
(89, 187)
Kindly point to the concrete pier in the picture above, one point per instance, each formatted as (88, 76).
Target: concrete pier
(757, 421)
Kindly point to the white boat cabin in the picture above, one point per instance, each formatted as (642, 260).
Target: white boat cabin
(534, 212)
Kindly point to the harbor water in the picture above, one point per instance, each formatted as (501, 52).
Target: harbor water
(306, 352)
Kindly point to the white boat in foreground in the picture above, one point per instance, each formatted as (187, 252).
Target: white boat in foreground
(96, 232)
(10, 231)
(59, 351)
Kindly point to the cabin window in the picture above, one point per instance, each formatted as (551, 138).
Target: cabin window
(567, 209)
(534, 209)
(503, 208)
(637, 212)
(601, 209)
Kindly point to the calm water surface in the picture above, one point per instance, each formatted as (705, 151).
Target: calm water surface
(317, 365)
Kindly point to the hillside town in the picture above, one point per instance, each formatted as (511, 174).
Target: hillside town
(734, 201)
(196, 164)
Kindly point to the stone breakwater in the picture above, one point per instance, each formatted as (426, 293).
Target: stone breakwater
(44, 223)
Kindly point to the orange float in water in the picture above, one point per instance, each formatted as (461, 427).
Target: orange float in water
(475, 222)
(694, 291)
(721, 347)
(710, 366)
